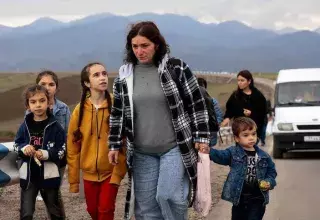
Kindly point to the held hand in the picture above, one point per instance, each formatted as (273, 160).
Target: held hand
(246, 112)
(202, 147)
(29, 151)
(225, 122)
(39, 155)
(113, 157)
(264, 185)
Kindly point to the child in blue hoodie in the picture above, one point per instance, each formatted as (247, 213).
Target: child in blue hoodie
(252, 172)
(40, 143)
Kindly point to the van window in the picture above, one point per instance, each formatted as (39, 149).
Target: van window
(298, 94)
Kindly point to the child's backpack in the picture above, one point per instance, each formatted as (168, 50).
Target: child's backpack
(213, 122)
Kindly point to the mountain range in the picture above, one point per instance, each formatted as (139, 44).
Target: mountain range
(228, 46)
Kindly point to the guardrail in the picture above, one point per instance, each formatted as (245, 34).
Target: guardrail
(9, 173)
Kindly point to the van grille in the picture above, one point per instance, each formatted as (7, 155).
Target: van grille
(308, 127)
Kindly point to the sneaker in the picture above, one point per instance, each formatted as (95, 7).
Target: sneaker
(39, 198)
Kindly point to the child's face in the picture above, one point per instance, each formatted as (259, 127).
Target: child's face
(247, 138)
(38, 104)
(98, 78)
(48, 82)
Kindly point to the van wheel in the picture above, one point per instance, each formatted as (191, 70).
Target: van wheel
(277, 153)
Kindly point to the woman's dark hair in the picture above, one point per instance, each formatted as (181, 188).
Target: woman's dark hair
(248, 76)
(149, 30)
(48, 73)
(85, 72)
(202, 82)
(31, 91)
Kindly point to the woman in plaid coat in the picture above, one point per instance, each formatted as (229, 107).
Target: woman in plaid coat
(160, 115)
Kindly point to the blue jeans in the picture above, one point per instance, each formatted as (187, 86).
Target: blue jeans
(263, 134)
(161, 186)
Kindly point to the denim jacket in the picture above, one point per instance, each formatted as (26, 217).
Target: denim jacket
(62, 113)
(219, 115)
(236, 158)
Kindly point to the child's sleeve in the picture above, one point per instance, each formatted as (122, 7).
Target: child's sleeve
(20, 142)
(56, 151)
(222, 157)
(271, 173)
(73, 153)
(217, 110)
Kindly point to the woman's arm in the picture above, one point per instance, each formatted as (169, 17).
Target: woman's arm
(195, 105)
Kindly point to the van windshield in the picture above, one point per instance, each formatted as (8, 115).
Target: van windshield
(298, 94)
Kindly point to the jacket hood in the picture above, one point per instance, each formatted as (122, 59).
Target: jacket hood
(127, 69)
(29, 117)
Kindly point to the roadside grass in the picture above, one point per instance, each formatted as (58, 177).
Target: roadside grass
(271, 76)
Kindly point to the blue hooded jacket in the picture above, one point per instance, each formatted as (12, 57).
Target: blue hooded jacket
(53, 149)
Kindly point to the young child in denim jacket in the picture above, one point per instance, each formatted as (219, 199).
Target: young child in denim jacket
(252, 172)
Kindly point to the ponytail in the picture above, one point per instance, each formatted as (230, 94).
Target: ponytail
(77, 135)
(108, 97)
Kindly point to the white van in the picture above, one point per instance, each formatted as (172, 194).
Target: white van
(297, 111)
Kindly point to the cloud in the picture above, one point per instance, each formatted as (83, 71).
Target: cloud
(258, 13)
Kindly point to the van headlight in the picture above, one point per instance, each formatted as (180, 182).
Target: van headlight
(285, 127)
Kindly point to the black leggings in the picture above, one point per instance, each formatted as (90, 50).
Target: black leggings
(249, 211)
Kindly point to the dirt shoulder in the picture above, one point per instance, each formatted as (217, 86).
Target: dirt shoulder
(76, 207)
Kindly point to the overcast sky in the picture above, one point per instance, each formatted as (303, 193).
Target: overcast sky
(300, 14)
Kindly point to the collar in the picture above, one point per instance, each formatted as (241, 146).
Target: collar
(242, 153)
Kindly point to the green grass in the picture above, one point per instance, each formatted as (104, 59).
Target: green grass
(272, 76)
(221, 92)
(8, 134)
(216, 90)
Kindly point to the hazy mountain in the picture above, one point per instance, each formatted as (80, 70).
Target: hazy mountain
(287, 30)
(39, 26)
(4, 29)
(228, 46)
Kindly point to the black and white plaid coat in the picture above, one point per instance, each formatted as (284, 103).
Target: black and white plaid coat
(189, 117)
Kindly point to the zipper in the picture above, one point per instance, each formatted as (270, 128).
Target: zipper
(44, 132)
(29, 169)
(97, 143)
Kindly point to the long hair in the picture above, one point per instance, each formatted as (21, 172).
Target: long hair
(248, 76)
(85, 72)
(149, 30)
